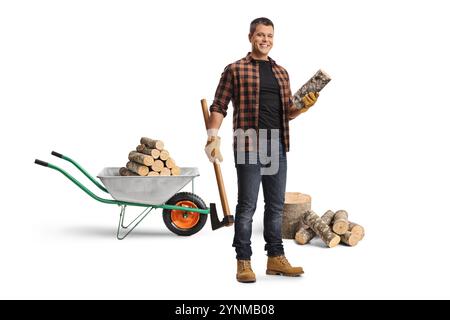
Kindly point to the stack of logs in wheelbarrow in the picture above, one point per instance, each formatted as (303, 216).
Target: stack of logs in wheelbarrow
(303, 224)
(150, 159)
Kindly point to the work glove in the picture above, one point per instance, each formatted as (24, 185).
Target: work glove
(212, 149)
(309, 99)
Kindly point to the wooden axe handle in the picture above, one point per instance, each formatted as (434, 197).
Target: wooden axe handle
(219, 178)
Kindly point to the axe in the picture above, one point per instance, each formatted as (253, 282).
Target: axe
(228, 218)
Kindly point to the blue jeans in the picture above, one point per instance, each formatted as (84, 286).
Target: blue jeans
(249, 178)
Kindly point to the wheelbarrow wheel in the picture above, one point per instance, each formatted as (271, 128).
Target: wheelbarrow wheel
(185, 223)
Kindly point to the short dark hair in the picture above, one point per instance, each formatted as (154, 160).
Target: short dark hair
(262, 20)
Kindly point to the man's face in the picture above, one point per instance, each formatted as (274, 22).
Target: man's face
(262, 39)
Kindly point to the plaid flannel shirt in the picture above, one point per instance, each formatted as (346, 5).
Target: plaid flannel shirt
(240, 84)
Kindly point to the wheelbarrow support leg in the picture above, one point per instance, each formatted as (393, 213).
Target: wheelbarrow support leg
(122, 230)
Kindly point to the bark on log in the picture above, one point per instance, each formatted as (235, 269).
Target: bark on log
(164, 155)
(165, 172)
(170, 163)
(141, 158)
(137, 168)
(153, 173)
(321, 228)
(340, 222)
(305, 234)
(152, 152)
(295, 205)
(153, 144)
(350, 239)
(126, 173)
(315, 84)
(157, 165)
(175, 171)
(356, 229)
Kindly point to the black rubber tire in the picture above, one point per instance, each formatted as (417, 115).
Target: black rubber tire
(189, 196)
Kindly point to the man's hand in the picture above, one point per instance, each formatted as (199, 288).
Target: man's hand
(309, 99)
(212, 149)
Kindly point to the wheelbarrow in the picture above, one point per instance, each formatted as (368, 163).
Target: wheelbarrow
(184, 213)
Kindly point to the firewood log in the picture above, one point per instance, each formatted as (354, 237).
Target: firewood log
(153, 173)
(125, 172)
(165, 172)
(305, 234)
(153, 144)
(152, 152)
(137, 168)
(356, 229)
(157, 165)
(321, 229)
(315, 84)
(340, 222)
(164, 155)
(141, 158)
(170, 163)
(350, 239)
(175, 171)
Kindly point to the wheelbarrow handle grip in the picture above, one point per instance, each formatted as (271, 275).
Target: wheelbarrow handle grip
(40, 162)
(57, 154)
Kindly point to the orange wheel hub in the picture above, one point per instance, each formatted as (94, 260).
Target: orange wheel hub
(185, 219)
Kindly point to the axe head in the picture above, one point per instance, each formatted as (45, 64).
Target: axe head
(228, 220)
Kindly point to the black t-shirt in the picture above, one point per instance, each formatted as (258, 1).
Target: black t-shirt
(269, 98)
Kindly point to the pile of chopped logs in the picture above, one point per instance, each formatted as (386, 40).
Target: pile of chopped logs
(332, 228)
(302, 224)
(150, 159)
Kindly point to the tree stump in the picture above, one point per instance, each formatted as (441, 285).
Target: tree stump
(295, 205)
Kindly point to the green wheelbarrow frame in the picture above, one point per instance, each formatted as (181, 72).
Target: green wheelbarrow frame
(124, 230)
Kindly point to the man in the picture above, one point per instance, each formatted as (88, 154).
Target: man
(260, 91)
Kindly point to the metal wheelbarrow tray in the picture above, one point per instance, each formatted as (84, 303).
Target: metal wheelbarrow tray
(151, 190)
(184, 213)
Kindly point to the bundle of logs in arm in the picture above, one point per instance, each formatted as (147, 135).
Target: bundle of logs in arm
(150, 159)
(302, 224)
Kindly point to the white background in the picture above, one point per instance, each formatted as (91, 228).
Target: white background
(89, 78)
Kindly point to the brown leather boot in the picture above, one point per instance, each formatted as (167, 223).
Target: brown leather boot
(245, 272)
(280, 266)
